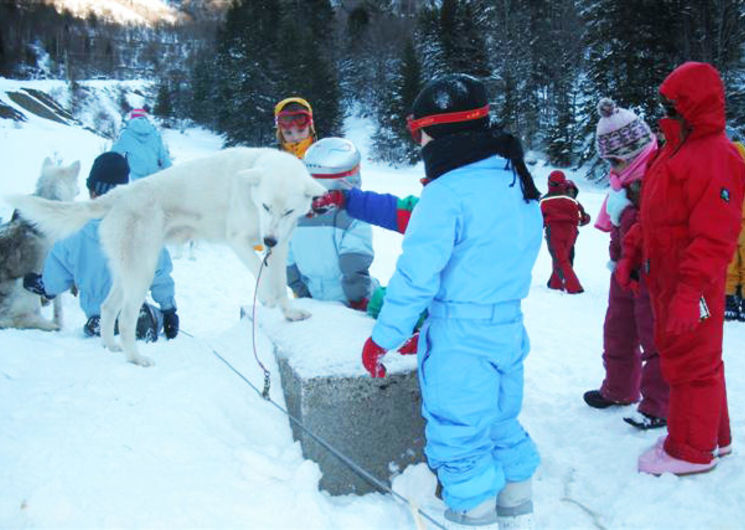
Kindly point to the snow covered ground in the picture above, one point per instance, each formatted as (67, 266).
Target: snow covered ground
(89, 441)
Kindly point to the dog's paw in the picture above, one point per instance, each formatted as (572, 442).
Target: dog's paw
(293, 314)
(50, 326)
(141, 360)
(267, 301)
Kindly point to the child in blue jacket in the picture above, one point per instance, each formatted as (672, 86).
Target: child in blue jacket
(330, 254)
(468, 252)
(79, 261)
(142, 145)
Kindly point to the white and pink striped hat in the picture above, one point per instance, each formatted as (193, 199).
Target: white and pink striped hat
(620, 132)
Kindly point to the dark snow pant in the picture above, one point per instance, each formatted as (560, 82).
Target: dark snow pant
(698, 418)
(632, 362)
(560, 238)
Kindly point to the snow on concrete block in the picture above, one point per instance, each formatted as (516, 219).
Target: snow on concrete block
(375, 422)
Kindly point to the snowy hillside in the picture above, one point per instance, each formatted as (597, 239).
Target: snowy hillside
(89, 441)
(147, 12)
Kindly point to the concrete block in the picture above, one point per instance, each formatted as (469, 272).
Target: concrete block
(375, 422)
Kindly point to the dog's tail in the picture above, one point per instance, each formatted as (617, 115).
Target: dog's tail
(59, 219)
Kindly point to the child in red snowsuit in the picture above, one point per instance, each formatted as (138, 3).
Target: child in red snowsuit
(689, 222)
(631, 360)
(561, 216)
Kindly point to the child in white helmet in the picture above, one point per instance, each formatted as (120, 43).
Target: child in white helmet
(330, 254)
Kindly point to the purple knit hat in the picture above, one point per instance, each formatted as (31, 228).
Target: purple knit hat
(620, 133)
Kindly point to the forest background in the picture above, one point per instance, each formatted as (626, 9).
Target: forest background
(224, 64)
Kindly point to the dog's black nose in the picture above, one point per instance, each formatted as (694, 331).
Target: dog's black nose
(270, 241)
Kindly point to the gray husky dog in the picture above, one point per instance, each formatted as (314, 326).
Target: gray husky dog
(23, 249)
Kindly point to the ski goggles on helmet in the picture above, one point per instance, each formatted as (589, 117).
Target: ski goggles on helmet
(415, 126)
(293, 119)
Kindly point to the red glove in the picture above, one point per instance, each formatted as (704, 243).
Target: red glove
(410, 346)
(684, 313)
(360, 305)
(325, 203)
(625, 273)
(371, 357)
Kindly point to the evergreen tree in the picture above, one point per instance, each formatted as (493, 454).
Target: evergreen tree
(392, 141)
(201, 104)
(304, 66)
(163, 106)
(246, 72)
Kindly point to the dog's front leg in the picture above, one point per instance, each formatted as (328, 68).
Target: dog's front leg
(278, 282)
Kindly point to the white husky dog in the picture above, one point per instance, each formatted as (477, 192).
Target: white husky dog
(23, 250)
(240, 196)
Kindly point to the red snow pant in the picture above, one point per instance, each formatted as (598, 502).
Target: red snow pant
(560, 238)
(632, 362)
(698, 418)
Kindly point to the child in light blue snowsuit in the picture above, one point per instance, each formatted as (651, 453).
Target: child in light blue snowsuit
(79, 260)
(468, 252)
(142, 145)
(330, 254)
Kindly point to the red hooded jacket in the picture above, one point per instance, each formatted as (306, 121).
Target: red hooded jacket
(693, 192)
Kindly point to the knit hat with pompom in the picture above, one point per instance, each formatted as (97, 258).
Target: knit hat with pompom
(620, 133)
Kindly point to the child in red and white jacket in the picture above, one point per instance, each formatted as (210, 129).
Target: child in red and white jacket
(561, 216)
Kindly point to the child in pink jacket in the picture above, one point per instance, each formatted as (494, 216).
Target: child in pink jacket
(631, 360)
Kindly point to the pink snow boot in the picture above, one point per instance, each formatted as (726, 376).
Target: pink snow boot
(656, 461)
(722, 451)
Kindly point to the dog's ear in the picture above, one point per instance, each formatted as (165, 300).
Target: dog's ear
(314, 189)
(252, 176)
(74, 169)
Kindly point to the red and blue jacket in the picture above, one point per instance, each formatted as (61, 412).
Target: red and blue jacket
(380, 209)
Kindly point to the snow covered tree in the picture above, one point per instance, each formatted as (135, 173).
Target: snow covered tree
(304, 66)
(246, 72)
(391, 141)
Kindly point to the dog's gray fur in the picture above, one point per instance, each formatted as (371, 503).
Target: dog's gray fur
(23, 249)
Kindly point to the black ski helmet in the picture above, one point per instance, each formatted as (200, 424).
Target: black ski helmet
(448, 94)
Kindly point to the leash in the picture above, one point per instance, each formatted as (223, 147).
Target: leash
(417, 513)
(267, 374)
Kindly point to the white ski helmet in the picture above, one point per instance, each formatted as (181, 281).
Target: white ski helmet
(335, 163)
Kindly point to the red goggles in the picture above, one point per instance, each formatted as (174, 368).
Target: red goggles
(415, 126)
(294, 120)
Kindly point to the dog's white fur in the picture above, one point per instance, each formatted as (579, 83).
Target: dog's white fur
(240, 196)
(24, 251)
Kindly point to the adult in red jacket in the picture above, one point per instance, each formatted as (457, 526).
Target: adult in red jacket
(689, 222)
(561, 216)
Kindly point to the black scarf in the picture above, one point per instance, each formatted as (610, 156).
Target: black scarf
(455, 150)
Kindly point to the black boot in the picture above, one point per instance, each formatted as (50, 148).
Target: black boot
(147, 324)
(597, 401)
(741, 312)
(645, 422)
(732, 307)
(92, 327)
